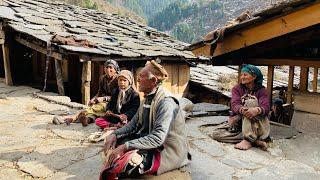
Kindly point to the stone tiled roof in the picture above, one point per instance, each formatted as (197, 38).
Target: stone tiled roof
(221, 79)
(112, 35)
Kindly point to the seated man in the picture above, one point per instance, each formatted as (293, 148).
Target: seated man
(155, 140)
(124, 103)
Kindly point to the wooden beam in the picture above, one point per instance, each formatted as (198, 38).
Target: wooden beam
(315, 80)
(203, 51)
(270, 82)
(278, 26)
(38, 48)
(282, 62)
(290, 85)
(59, 78)
(304, 72)
(86, 78)
(6, 63)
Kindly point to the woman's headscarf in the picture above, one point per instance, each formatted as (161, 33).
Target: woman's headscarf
(112, 63)
(254, 71)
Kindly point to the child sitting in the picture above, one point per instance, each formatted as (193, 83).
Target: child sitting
(123, 105)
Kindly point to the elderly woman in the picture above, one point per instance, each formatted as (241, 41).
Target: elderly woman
(250, 108)
(123, 105)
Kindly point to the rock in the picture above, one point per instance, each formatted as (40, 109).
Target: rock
(240, 164)
(46, 160)
(214, 119)
(285, 169)
(86, 169)
(185, 104)
(310, 143)
(276, 151)
(74, 131)
(208, 107)
(204, 166)
(192, 127)
(9, 173)
(209, 146)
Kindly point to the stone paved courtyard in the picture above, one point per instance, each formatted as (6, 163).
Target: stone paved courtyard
(31, 147)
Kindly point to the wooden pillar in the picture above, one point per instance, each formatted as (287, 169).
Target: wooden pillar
(315, 79)
(86, 78)
(270, 82)
(290, 84)
(58, 68)
(35, 64)
(239, 73)
(304, 72)
(6, 63)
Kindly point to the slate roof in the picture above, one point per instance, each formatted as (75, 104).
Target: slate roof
(113, 36)
(221, 79)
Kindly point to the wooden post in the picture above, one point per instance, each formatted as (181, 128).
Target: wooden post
(290, 85)
(6, 62)
(57, 64)
(239, 73)
(304, 72)
(315, 79)
(270, 82)
(35, 65)
(86, 78)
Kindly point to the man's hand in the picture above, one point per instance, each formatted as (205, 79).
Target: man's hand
(109, 113)
(93, 101)
(110, 142)
(118, 152)
(100, 99)
(123, 118)
(251, 112)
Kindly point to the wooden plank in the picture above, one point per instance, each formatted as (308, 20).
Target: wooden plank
(59, 79)
(299, 19)
(184, 76)
(290, 85)
(168, 83)
(270, 82)
(86, 78)
(38, 48)
(6, 63)
(304, 71)
(315, 79)
(175, 78)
